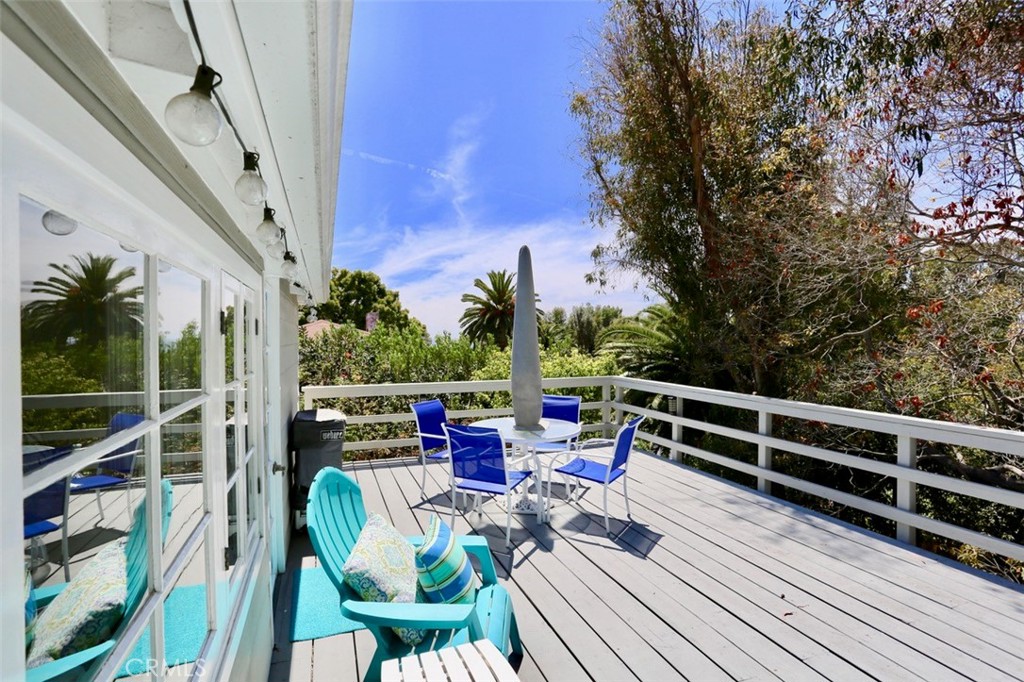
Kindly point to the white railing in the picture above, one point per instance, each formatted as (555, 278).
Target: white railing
(908, 433)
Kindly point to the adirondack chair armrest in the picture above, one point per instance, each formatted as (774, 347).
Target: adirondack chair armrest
(45, 595)
(423, 616)
(478, 547)
(61, 666)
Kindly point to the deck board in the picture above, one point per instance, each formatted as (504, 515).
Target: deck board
(710, 581)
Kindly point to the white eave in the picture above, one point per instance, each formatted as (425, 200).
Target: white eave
(283, 66)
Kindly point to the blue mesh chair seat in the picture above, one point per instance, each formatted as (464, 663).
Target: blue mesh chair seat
(591, 471)
(586, 468)
(479, 466)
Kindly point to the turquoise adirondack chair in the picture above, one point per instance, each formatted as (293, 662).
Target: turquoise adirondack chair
(71, 667)
(335, 515)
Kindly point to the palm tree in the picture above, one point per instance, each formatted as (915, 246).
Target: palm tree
(86, 302)
(492, 313)
(656, 344)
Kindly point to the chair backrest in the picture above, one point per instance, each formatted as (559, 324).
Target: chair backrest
(564, 407)
(119, 460)
(624, 442)
(48, 502)
(334, 515)
(430, 416)
(477, 453)
(136, 547)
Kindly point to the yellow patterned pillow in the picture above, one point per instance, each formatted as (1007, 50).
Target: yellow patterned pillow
(382, 568)
(86, 612)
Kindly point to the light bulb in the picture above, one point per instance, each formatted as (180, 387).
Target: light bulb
(58, 223)
(312, 316)
(289, 269)
(127, 247)
(312, 311)
(268, 231)
(250, 187)
(276, 250)
(192, 116)
(163, 266)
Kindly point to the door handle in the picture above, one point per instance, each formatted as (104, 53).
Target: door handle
(278, 468)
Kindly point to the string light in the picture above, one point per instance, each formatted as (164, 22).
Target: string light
(289, 268)
(250, 187)
(277, 250)
(196, 119)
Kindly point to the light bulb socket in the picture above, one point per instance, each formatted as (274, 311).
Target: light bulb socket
(268, 214)
(250, 161)
(290, 257)
(206, 80)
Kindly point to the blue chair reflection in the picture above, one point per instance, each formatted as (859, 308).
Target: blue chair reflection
(113, 470)
(49, 503)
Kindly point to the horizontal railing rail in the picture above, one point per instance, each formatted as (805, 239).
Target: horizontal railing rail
(909, 433)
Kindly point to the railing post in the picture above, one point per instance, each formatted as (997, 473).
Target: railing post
(676, 408)
(606, 410)
(906, 490)
(764, 452)
(620, 415)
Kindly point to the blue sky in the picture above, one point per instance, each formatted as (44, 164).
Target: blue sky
(458, 148)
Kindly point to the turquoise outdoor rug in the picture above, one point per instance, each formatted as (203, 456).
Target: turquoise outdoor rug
(316, 607)
(184, 631)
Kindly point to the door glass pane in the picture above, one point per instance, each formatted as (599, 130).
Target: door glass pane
(230, 449)
(82, 302)
(186, 621)
(180, 310)
(182, 463)
(252, 471)
(228, 313)
(233, 531)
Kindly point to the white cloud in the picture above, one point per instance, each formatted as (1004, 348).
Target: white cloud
(431, 268)
(433, 264)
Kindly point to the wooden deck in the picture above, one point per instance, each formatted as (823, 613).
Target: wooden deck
(711, 581)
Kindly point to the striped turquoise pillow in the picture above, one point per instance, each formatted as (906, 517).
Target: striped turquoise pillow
(445, 573)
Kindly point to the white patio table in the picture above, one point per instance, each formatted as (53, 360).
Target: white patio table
(526, 440)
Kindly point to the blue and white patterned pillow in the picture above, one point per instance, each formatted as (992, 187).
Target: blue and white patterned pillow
(445, 573)
(86, 612)
(382, 568)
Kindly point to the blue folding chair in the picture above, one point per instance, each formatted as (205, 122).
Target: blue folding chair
(430, 416)
(587, 469)
(115, 469)
(478, 466)
(564, 407)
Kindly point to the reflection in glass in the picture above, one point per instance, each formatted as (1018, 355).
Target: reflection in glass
(230, 454)
(97, 545)
(185, 626)
(180, 308)
(81, 331)
(185, 618)
(252, 471)
(231, 557)
(228, 316)
(182, 464)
